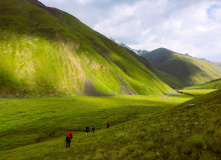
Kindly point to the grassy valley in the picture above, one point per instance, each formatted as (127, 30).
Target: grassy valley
(37, 123)
(195, 92)
(214, 84)
(141, 127)
(58, 75)
(189, 70)
(202, 89)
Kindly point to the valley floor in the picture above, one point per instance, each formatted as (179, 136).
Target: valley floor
(140, 127)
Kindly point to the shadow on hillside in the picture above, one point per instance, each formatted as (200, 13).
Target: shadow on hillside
(90, 90)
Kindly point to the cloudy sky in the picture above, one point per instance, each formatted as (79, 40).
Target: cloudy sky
(184, 26)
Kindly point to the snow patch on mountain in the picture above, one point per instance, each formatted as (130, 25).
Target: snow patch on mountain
(138, 52)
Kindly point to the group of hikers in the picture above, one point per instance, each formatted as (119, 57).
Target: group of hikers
(69, 136)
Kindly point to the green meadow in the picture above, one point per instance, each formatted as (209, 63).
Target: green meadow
(141, 127)
(196, 92)
(202, 89)
(34, 124)
(214, 84)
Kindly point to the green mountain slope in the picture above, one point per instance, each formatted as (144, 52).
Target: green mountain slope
(188, 70)
(214, 84)
(45, 51)
(167, 78)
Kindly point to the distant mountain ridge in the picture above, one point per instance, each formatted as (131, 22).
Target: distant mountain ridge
(217, 63)
(178, 79)
(46, 51)
(189, 70)
(167, 78)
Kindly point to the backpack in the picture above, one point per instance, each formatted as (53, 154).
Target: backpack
(70, 134)
(68, 138)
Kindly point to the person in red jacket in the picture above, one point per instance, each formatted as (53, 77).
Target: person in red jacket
(68, 141)
(69, 133)
(108, 124)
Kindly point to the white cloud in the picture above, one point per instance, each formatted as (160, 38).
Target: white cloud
(187, 30)
(217, 14)
(186, 26)
(85, 1)
(55, 1)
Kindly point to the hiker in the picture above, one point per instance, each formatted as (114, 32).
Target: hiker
(69, 133)
(87, 130)
(108, 124)
(68, 141)
(93, 128)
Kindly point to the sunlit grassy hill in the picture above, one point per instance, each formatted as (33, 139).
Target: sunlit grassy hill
(45, 51)
(189, 70)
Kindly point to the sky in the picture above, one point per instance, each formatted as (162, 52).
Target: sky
(183, 26)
